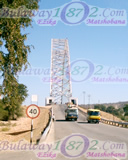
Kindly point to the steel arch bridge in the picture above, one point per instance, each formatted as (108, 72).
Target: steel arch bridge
(60, 85)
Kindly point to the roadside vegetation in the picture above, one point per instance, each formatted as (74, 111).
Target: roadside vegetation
(10, 109)
(13, 58)
(121, 113)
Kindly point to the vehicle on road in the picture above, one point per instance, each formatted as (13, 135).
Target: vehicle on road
(71, 113)
(93, 115)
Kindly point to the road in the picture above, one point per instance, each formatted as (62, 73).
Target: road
(100, 132)
(61, 128)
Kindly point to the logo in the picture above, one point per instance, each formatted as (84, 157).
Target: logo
(73, 13)
(83, 70)
(72, 146)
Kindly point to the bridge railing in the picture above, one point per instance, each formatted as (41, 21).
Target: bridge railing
(114, 123)
(110, 122)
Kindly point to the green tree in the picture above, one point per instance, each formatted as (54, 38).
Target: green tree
(125, 108)
(13, 102)
(110, 109)
(116, 112)
(103, 108)
(100, 107)
(3, 113)
(96, 106)
(15, 58)
(121, 111)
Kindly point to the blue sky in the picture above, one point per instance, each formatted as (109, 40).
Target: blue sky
(106, 46)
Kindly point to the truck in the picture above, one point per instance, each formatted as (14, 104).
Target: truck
(71, 113)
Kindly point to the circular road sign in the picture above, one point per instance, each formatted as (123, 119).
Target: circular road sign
(33, 111)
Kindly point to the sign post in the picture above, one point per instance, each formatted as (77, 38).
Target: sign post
(32, 112)
(34, 98)
(31, 136)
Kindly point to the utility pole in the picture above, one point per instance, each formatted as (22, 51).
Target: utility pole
(84, 98)
(89, 100)
(113, 114)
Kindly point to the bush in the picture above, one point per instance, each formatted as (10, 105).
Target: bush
(19, 111)
(1, 104)
(116, 112)
(125, 108)
(100, 107)
(3, 115)
(5, 111)
(110, 109)
(123, 118)
(126, 118)
(126, 114)
(103, 108)
(96, 107)
(5, 129)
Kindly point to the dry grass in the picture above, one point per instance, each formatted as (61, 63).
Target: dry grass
(5, 123)
(5, 129)
(109, 116)
(20, 129)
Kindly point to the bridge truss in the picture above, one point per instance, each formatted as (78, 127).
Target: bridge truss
(60, 85)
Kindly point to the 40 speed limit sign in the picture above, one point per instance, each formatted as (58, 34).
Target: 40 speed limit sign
(33, 111)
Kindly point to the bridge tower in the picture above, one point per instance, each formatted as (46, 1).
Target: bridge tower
(60, 85)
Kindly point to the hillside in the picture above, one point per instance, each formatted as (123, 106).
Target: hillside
(116, 104)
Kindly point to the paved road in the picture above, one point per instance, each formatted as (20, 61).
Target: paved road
(100, 132)
(61, 128)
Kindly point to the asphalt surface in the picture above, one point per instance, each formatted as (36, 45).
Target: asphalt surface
(101, 132)
(60, 129)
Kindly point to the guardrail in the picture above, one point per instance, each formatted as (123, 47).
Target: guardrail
(110, 122)
(115, 123)
(47, 129)
(45, 132)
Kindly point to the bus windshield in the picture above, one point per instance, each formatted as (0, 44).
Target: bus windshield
(73, 110)
(93, 113)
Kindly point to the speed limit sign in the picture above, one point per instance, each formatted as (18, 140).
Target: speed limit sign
(33, 111)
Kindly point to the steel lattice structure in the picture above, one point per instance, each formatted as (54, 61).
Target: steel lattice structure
(60, 87)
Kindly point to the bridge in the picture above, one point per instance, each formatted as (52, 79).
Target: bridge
(61, 91)
(60, 87)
